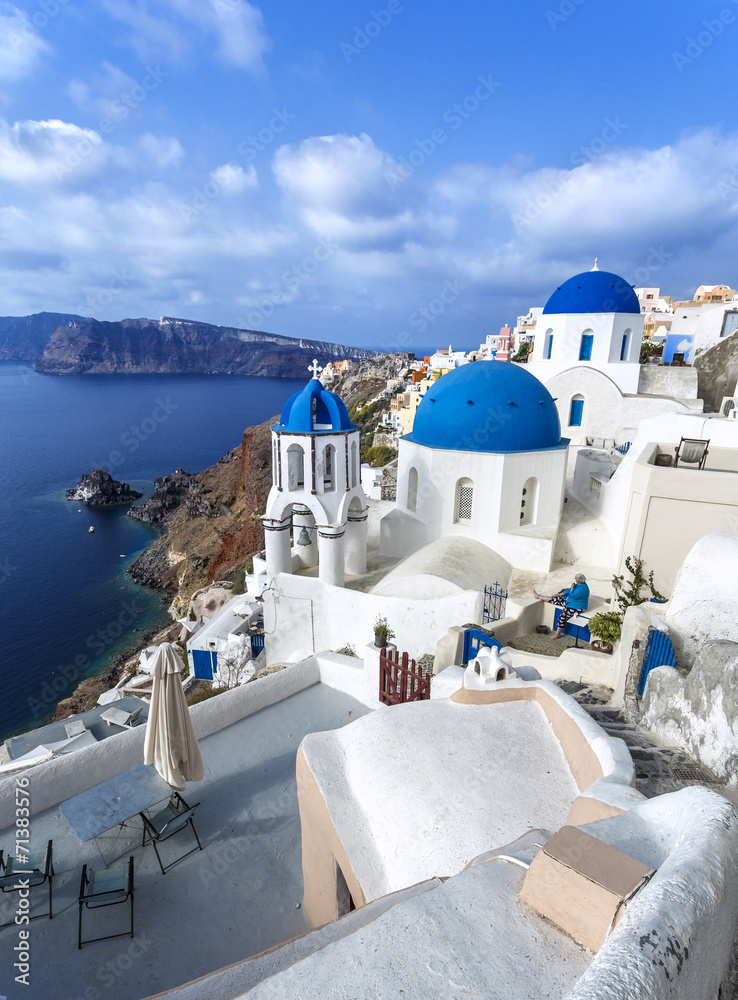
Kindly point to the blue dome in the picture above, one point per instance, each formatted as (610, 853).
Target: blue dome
(490, 406)
(314, 410)
(594, 292)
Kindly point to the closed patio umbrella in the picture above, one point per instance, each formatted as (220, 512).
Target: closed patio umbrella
(170, 744)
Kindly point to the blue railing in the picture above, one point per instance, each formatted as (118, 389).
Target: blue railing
(257, 644)
(473, 640)
(495, 602)
(623, 448)
(659, 653)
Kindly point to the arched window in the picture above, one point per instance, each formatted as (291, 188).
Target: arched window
(295, 467)
(529, 501)
(576, 411)
(625, 346)
(329, 468)
(464, 501)
(585, 346)
(412, 489)
(548, 344)
(275, 462)
(354, 464)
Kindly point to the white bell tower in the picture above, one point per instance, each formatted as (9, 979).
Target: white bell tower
(316, 511)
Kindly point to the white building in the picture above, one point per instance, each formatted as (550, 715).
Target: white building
(593, 320)
(697, 327)
(587, 353)
(446, 357)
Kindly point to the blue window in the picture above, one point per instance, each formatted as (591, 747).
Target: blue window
(576, 412)
(549, 345)
(585, 349)
(624, 347)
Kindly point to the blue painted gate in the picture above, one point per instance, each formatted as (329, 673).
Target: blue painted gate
(205, 663)
(257, 644)
(659, 653)
(473, 639)
(495, 602)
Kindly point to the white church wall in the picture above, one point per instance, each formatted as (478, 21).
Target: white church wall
(703, 605)
(497, 481)
(303, 615)
(607, 413)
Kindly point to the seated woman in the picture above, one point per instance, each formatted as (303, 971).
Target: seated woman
(573, 600)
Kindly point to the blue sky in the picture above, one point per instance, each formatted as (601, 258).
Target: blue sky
(400, 174)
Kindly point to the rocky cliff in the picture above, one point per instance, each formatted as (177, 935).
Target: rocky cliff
(99, 489)
(24, 338)
(210, 521)
(181, 346)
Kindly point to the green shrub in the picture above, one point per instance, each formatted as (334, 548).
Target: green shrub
(379, 457)
(238, 579)
(606, 626)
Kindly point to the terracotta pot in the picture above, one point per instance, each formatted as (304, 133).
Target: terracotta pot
(601, 646)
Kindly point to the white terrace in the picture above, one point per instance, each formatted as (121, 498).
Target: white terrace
(241, 895)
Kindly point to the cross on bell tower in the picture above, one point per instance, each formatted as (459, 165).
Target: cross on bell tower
(315, 368)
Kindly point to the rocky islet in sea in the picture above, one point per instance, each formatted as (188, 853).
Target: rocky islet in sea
(99, 489)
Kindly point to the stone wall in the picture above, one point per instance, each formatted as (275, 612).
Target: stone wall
(699, 712)
(717, 371)
(662, 380)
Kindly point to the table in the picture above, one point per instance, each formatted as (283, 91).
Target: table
(110, 804)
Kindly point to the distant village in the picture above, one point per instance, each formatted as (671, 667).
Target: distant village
(468, 719)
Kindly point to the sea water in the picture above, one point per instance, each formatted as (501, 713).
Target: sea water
(68, 608)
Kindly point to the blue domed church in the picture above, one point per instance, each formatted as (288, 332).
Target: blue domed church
(485, 460)
(593, 321)
(316, 512)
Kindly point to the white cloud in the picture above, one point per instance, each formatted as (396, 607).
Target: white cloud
(20, 46)
(386, 250)
(33, 152)
(235, 26)
(103, 96)
(233, 179)
(342, 186)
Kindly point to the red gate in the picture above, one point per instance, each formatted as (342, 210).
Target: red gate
(400, 680)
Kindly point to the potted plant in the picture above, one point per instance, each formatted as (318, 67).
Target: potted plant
(606, 627)
(382, 632)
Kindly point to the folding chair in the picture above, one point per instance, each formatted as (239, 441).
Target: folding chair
(109, 887)
(31, 871)
(691, 451)
(172, 819)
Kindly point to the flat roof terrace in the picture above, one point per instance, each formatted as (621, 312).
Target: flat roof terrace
(239, 896)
